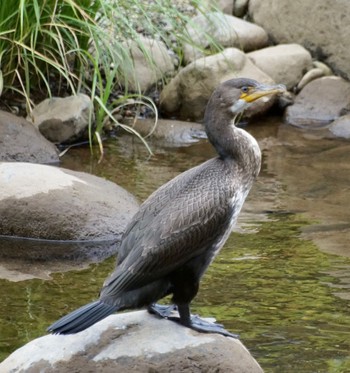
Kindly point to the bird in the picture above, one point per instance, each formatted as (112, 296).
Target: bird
(180, 228)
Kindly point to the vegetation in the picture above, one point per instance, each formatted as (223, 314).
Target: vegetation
(55, 47)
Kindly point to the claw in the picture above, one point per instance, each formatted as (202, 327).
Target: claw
(196, 323)
(204, 326)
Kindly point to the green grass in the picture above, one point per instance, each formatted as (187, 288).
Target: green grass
(60, 47)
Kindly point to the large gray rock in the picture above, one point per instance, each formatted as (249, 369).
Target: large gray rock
(151, 62)
(46, 202)
(223, 29)
(323, 27)
(20, 141)
(132, 342)
(63, 120)
(187, 94)
(319, 103)
(285, 63)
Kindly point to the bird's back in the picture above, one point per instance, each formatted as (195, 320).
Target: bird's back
(190, 216)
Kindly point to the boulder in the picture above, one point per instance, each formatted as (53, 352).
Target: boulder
(170, 132)
(132, 342)
(63, 120)
(222, 29)
(319, 103)
(341, 127)
(323, 27)
(188, 92)
(46, 202)
(151, 63)
(285, 63)
(20, 141)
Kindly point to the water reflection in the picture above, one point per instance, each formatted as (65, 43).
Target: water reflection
(315, 172)
(288, 300)
(23, 259)
(280, 301)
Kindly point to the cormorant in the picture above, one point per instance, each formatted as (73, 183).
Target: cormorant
(180, 228)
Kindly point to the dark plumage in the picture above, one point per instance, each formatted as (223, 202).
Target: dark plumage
(180, 228)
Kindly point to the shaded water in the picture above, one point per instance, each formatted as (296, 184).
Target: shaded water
(288, 300)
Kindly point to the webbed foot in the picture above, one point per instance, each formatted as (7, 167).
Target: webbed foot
(204, 326)
(161, 310)
(190, 321)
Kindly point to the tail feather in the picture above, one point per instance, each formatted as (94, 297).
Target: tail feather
(82, 318)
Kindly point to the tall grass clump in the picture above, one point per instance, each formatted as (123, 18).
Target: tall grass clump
(43, 43)
(64, 47)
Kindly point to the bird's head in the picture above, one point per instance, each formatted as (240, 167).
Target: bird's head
(226, 102)
(235, 95)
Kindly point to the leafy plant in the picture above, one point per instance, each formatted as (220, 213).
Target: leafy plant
(39, 43)
(59, 47)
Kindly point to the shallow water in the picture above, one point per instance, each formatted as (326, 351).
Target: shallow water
(282, 280)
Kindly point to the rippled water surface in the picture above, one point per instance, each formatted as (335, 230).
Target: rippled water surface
(282, 280)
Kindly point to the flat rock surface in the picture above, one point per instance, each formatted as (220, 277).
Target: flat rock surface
(132, 342)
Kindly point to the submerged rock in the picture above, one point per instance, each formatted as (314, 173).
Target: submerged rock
(132, 342)
(24, 259)
(20, 141)
(46, 202)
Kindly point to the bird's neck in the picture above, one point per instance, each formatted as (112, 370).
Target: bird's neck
(233, 144)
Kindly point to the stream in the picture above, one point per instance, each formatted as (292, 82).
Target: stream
(282, 281)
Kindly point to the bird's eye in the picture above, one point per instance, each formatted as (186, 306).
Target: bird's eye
(245, 89)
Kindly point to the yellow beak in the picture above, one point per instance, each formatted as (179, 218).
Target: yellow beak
(262, 90)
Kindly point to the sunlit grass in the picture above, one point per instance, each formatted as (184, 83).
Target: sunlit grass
(61, 47)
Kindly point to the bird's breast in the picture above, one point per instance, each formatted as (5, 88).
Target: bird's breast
(235, 204)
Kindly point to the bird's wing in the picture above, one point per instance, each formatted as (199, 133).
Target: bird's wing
(178, 222)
